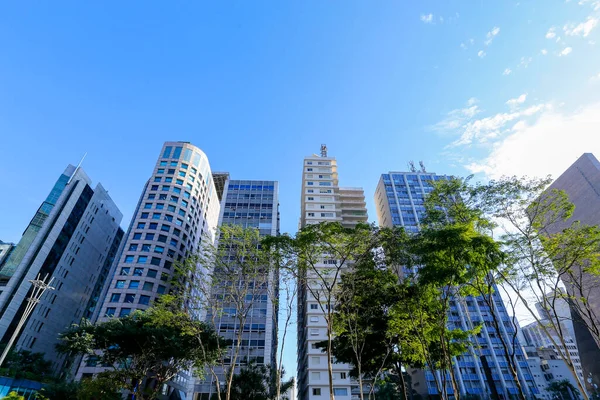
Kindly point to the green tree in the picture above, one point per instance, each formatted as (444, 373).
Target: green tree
(28, 365)
(563, 390)
(227, 280)
(317, 256)
(544, 247)
(13, 396)
(255, 382)
(145, 349)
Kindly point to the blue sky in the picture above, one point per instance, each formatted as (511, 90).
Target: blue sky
(485, 87)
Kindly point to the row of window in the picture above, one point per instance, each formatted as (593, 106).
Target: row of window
(130, 259)
(251, 187)
(145, 247)
(130, 298)
(148, 286)
(310, 183)
(151, 273)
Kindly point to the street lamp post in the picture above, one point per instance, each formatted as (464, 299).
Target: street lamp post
(39, 287)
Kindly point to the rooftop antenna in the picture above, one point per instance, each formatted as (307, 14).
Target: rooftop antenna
(411, 166)
(76, 168)
(323, 150)
(422, 165)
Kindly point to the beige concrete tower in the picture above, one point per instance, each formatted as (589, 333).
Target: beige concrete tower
(323, 201)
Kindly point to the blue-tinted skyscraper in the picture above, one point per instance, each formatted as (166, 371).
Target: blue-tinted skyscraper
(399, 199)
(249, 204)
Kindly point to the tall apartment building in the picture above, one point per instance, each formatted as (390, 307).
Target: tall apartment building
(322, 201)
(178, 208)
(546, 368)
(72, 238)
(399, 199)
(249, 204)
(581, 182)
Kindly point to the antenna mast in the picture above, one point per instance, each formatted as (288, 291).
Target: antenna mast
(323, 150)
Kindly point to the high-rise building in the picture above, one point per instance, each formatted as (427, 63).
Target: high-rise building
(323, 201)
(547, 368)
(71, 238)
(400, 201)
(249, 204)
(5, 250)
(581, 182)
(178, 208)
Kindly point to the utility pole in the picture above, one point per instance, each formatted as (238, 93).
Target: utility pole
(39, 287)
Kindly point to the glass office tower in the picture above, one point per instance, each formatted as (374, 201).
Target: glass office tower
(72, 238)
(399, 199)
(249, 204)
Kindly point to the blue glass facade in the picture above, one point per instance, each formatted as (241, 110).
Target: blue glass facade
(400, 200)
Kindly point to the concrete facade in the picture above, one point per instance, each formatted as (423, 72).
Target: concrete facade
(581, 182)
(322, 200)
(71, 238)
(178, 208)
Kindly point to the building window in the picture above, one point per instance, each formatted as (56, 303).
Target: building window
(162, 238)
(315, 375)
(134, 284)
(137, 236)
(142, 259)
(115, 297)
(110, 311)
(129, 259)
(124, 312)
(340, 391)
(153, 225)
(120, 284)
(145, 300)
(138, 271)
(146, 247)
(159, 249)
(343, 375)
(155, 261)
(154, 187)
(151, 196)
(148, 205)
(314, 306)
(125, 270)
(316, 391)
(161, 289)
(314, 332)
(154, 215)
(129, 297)
(152, 273)
(148, 286)
(141, 225)
(314, 319)
(133, 247)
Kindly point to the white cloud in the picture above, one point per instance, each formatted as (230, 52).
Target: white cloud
(525, 61)
(427, 18)
(491, 35)
(565, 52)
(551, 33)
(481, 54)
(581, 29)
(507, 71)
(546, 146)
(485, 130)
(463, 46)
(457, 118)
(595, 78)
(514, 103)
(544, 52)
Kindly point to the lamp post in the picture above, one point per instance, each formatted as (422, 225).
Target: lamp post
(39, 287)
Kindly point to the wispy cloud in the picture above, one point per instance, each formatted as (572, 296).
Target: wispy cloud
(581, 29)
(489, 37)
(514, 103)
(481, 54)
(507, 71)
(595, 78)
(458, 117)
(565, 52)
(512, 155)
(544, 52)
(551, 33)
(482, 131)
(525, 61)
(427, 18)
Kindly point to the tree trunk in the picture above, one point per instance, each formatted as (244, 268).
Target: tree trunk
(329, 363)
(402, 382)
